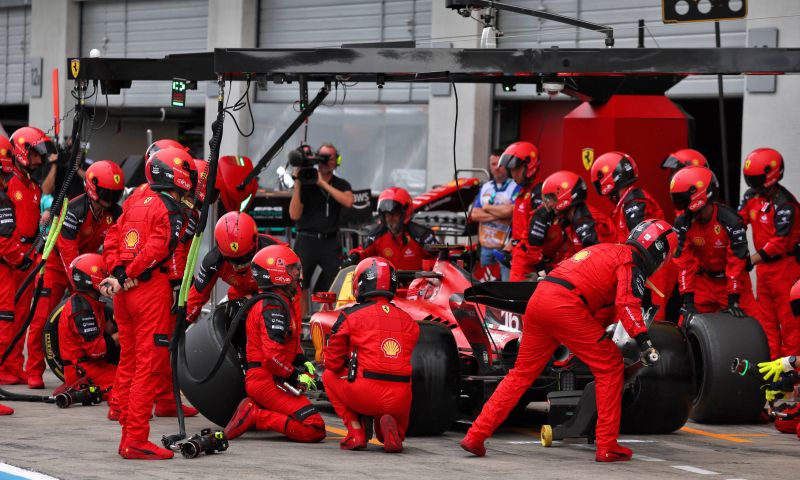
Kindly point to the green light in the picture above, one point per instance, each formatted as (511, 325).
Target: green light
(178, 92)
(509, 87)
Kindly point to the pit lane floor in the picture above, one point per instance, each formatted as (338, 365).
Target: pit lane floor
(80, 442)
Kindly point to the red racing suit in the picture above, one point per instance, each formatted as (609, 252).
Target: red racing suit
(383, 337)
(634, 207)
(83, 231)
(406, 252)
(776, 232)
(545, 240)
(139, 246)
(26, 195)
(11, 254)
(564, 310)
(81, 342)
(524, 205)
(273, 352)
(216, 267)
(712, 261)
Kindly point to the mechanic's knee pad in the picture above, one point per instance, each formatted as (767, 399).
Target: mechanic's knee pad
(310, 430)
(789, 421)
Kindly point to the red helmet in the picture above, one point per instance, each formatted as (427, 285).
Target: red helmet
(395, 200)
(685, 157)
(231, 171)
(171, 169)
(161, 145)
(374, 277)
(794, 298)
(28, 139)
(613, 170)
(276, 266)
(655, 240)
(87, 271)
(236, 235)
(522, 153)
(565, 189)
(763, 168)
(6, 159)
(692, 188)
(104, 181)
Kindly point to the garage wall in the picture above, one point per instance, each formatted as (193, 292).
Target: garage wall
(521, 31)
(15, 48)
(146, 28)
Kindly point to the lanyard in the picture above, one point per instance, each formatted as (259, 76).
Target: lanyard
(502, 188)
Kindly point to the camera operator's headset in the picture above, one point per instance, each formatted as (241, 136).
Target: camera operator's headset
(338, 155)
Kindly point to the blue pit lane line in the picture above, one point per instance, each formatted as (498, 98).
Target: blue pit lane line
(10, 472)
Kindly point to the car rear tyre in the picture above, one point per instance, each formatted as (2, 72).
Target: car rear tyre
(721, 396)
(660, 398)
(435, 381)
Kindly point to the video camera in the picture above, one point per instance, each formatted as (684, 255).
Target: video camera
(207, 442)
(305, 160)
(85, 395)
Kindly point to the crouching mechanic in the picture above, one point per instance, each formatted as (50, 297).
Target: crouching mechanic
(81, 342)
(237, 241)
(136, 249)
(564, 310)
(368, 360)
(396, 237)
(712, 255)
(275, 360)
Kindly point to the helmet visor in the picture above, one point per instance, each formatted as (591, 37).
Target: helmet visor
(390, 206)
(510, 161)
(755, 181)
(671, 162)
(44, 148)
(681, 200)
(108, 195)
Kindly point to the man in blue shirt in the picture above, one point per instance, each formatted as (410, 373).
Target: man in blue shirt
(492, 209)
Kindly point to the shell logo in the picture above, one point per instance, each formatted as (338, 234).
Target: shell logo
(752, 214)
(564, 185)
(672, 183)
(605, 169)
(699, 184)
(21, 140)
(91, 175)
(94, 269)
(385, 309)
(699, 241)
(131, 239)
(117, 179)
(773, 164)
(387, 252)
(695, 162)
(581, 256)
(3, 152)
(390, 348)
(18, 195)
(270, 261)
(177, 161)
(234, 247)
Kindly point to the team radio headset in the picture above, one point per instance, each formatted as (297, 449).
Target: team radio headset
(338, 163)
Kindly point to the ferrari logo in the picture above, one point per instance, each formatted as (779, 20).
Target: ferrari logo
(747, 164)
(74, 67)
(717, 229)
(117, 179)
(148, 200)
(131, 239)
(385, 309)
(109, 220)
(587, 157)
(390, 348)
(234, 247)
(581, 256)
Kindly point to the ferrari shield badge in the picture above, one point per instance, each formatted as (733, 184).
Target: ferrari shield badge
(587, 156)
(74, 67)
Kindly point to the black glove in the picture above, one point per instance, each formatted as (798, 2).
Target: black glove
(648, 354)
(176, 291)
(687, 309)
(351, 259)
(733, 306)
(25, 264)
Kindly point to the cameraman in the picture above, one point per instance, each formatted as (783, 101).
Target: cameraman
(315, 208)
(57, 168)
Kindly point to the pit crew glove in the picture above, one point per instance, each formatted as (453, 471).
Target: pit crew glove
(307, 381)
(351, 259)
(647, 352)
(176, 291)
(310, 368)
(733, 306)
(773, 395)
(688, 310)
(776, 367)
(25, 264)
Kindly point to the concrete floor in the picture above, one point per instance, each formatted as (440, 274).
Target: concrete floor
(80, 443)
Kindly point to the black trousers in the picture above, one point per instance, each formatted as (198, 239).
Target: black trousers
(313, 252)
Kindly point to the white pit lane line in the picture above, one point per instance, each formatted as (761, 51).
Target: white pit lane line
(11, 472)
(691, 469)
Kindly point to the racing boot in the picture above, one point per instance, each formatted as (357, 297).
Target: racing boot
(613, 453)
(146, 450)
(168, 409)
(392, 443)
(243, 420)
(4, 410)
(113, 414)
(9, 379)
(35, 382)
(473, 445)
(356, 439)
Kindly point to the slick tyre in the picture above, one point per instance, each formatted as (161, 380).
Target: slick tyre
(435, 381)
(719, 395)
(218, 398)
(660, 398)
